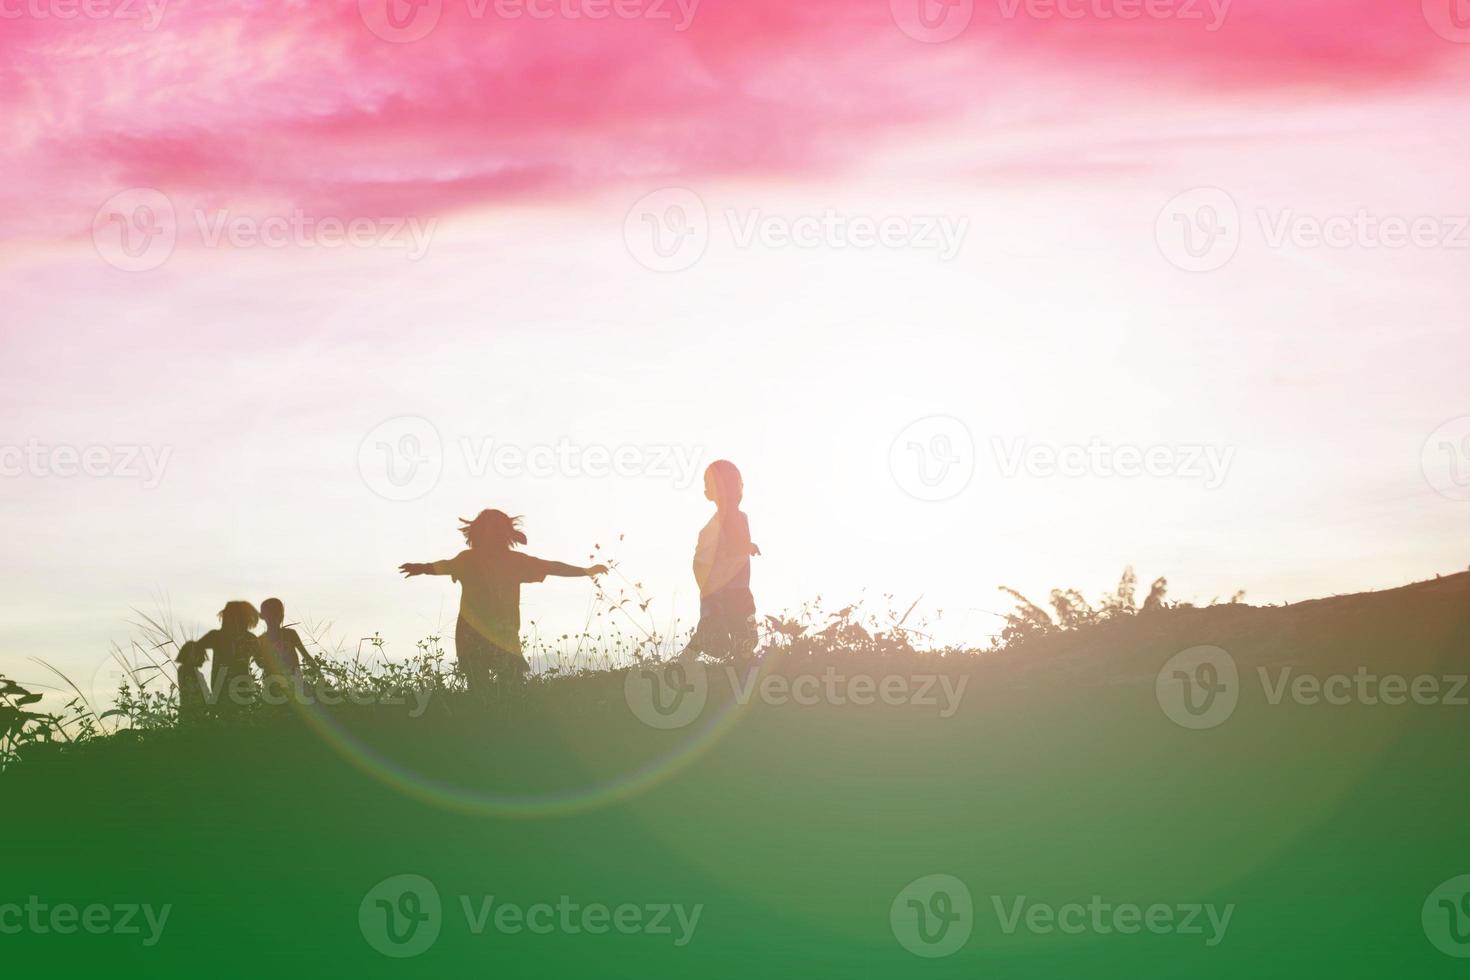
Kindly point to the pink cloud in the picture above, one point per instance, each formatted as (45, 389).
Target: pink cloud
(298, 101)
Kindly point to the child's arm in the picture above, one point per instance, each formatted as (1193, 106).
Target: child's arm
(705, 549)
(573, 571)
(410, 569)
(301, 651)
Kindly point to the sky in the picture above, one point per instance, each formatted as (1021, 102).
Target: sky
(1011, 293)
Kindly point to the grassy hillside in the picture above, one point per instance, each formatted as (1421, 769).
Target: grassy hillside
(1307, 836)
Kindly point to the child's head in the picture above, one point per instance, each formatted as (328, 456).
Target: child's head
(723, 485)
(494, 530)
(238, 617)
(273, 611)
(191, 654)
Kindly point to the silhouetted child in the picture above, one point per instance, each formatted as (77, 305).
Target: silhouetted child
(234, 647)
(193, 689)
(487, 638)
(722, 569)
(281, 649)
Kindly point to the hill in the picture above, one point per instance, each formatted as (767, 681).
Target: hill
(1218, 791)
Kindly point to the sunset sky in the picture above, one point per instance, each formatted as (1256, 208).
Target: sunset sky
(1002, 293)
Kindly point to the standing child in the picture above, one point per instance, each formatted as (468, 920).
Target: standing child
(281, 649)
(193, 688)
(490, 573)
(722, 569)
(234, 647)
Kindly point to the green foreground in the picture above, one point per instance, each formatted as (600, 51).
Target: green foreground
(1082, 822)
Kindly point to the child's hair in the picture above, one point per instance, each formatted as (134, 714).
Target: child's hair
(191, 654)
(239, 616)
(273, 609)
(729, 487)
(493, 529)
